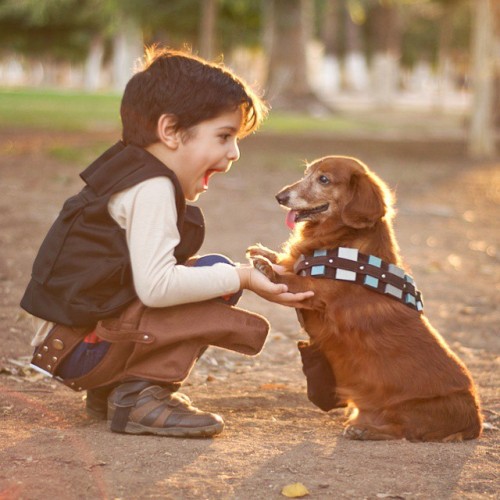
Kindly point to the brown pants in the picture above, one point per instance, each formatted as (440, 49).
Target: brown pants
(157, 344)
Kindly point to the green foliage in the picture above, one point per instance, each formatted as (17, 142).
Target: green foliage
(176, 23)
(59, 28)
(423, 24)
(173, 23)
(63, 29)
(239, 23)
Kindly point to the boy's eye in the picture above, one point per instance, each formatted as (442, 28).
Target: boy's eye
(323, 179)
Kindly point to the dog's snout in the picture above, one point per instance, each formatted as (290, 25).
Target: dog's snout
(283, 197)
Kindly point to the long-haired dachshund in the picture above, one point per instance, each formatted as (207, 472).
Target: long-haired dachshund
(392, 368)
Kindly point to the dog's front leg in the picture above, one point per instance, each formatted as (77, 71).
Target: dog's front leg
(259, 250)
(263, 264)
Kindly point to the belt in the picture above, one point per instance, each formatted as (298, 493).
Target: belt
(57, 345)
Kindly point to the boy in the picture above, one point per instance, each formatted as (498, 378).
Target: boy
(123, 308)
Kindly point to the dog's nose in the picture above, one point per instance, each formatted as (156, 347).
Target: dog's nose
(282, 198)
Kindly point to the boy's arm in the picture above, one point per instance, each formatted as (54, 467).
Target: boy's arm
(148, 214)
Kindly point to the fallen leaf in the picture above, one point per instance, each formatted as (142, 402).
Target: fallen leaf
(295, 490)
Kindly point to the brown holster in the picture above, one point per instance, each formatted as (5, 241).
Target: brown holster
(157, 344)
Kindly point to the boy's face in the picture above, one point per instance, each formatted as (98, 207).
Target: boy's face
(211, 147)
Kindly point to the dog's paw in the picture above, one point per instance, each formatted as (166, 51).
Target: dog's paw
(369, 433)
(356, 433)
(264, 266)
(259, 250)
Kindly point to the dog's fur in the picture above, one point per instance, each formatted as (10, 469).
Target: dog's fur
(392, 367)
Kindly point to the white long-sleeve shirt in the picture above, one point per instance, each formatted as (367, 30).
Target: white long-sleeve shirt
(148, 214)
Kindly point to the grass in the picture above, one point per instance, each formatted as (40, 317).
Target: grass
(79, 112)
(59, 111)
(280, 122)
(53, 110)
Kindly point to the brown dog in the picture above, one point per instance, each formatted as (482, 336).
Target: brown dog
(391, 366)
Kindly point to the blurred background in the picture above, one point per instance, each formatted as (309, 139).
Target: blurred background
(345, 63)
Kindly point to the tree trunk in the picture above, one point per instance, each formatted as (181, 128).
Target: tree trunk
(444, 57)
(127, 49)
(288, 83)
(93, 64)
(482, 130)
(268, 36)
(496, 69)
(208, 23)
(387, 50)
(356, 71)
(330, 76)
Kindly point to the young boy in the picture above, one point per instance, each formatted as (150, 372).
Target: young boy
(123, 307)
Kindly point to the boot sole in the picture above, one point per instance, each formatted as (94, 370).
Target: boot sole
(135, 428)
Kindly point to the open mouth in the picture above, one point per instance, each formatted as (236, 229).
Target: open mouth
(295, 216)
(301, 215)
(206, 177)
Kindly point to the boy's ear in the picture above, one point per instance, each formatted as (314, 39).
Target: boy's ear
(167, 132)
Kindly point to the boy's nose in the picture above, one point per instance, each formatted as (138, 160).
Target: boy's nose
(234, 152)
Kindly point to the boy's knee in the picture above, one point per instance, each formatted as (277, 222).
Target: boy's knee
(211, 259)
(216, 258)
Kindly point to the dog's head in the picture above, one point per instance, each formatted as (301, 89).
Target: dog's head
(340, 188)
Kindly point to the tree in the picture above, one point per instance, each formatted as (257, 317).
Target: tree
(288, 84)
(330, 39)
(127, 48)
(355, 54)
(59, 29)
(386, 42)
(207, 28)
(484, 42)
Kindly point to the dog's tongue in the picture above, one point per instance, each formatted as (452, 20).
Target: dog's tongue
(290, 218)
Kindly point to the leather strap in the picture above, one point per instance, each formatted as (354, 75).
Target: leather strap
(58, 344)
(348, 264)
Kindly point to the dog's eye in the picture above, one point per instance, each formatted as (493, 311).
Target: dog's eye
(323, 179)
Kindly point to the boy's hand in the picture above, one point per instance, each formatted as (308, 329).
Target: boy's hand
(252, 279)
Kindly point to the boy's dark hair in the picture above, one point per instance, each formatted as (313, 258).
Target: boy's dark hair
(191, 89)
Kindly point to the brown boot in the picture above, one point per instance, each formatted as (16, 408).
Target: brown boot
(139, 407)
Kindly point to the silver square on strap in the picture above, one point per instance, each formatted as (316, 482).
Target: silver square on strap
(396, 270)
(410, 299)
(317, 270)
(371, 281)
(344, 274)
(420, 306)
(392, 290)
(374, 261)
(409, 279)
(348, 253)
(319, 253)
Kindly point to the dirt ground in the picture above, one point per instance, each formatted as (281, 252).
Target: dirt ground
(448, 230)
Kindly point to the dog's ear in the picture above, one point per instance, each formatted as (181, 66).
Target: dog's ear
(366, 204)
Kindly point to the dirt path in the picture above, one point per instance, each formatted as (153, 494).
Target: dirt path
(448, 230)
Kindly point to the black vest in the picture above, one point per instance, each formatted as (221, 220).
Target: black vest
(82, 272)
